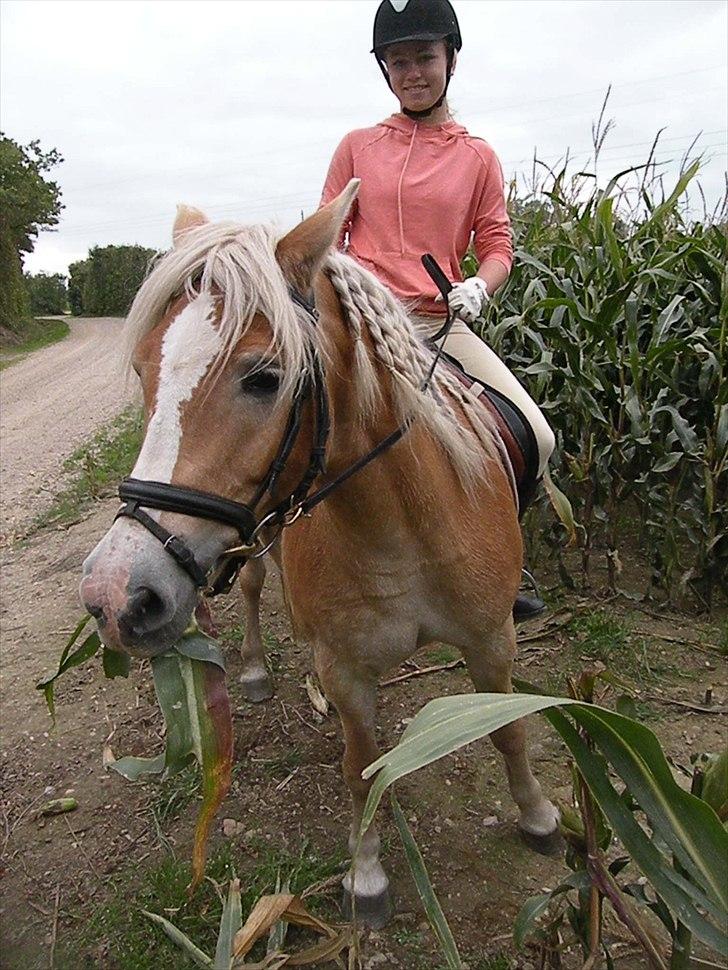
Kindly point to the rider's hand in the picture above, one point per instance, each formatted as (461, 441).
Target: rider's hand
(467, 299)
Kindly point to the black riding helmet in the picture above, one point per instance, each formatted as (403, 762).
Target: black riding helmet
(397, 21)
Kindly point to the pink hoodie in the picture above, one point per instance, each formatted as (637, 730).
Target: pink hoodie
(423, 190)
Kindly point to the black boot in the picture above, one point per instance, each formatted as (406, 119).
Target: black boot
(528, 605)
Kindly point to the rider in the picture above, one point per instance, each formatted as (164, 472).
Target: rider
(429, 186)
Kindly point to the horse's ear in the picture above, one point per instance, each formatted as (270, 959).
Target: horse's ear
(302, 250)
(187, 218)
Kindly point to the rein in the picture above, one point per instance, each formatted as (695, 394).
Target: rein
(137, 494)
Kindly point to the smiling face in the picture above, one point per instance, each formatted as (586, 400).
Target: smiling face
(417, 72)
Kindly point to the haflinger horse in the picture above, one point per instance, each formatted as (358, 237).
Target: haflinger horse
(279, 375)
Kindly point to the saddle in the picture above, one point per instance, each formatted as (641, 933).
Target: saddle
(515, 432)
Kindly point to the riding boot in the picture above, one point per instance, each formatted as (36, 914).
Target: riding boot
(527, 606)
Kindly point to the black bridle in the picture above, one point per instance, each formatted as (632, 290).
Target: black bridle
(255, 534)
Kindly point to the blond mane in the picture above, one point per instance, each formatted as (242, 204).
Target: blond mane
(238, 263)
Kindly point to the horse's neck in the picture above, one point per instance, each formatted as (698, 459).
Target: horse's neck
(402, 487)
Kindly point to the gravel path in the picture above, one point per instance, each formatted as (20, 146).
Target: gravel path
(50, 403)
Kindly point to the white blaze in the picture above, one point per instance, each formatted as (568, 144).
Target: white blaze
(190, 345)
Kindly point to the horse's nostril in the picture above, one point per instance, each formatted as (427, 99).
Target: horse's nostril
(144, 612)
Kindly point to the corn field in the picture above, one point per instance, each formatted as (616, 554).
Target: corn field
(616, 318)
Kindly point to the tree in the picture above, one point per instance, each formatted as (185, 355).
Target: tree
(47, 292)
(28, 203)
(77, 275)
(113, 275)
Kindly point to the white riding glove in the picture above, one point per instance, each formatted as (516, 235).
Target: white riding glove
(467, 299)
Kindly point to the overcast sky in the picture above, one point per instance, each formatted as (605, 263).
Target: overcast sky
(237, 106)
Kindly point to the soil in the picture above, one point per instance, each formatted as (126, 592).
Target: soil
(57, 871)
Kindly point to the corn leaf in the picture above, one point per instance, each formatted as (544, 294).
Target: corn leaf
(688, 826)
(681, 896)
(199, 958)
(433, 910)
(230, 923)
(69, 659)
(116, 664)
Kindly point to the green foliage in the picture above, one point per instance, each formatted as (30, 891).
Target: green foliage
(616, 317)
(15, 315)
(41, 334)
(103, 461)
(28, 203)
(77, 276)
(47, 292)
(111, 276)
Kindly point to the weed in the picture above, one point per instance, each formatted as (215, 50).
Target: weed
(408, 938)
(723, 641)
(117, 934)
(283, 765)
(601, 636)
(607, 638)
(497, 962)
(174, 794)
(104, 460)
(442, 655)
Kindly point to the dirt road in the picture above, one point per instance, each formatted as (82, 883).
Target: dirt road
(51, 402)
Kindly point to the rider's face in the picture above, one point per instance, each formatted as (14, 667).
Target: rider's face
(417, 71)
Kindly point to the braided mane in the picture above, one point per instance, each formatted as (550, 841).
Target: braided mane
(238, 265)
(401, 351)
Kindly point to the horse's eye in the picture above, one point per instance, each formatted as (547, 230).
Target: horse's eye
(261, 382)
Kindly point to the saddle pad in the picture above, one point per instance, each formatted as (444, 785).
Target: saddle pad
(515, 431)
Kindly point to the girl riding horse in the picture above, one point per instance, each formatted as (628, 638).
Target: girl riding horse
(430, 186)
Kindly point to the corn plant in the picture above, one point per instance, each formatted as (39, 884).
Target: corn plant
(616, 317)
(681, 847)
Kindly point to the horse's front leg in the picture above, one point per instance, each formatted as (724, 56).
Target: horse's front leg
(366, 886)
(256, 681)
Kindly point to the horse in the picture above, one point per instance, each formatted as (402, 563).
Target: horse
(276, 367)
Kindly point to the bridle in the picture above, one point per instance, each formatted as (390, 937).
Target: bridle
(257, 535)
(138, 495)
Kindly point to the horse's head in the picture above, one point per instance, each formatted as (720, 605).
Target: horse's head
(222, 344)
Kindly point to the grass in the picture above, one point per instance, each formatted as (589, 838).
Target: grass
(173, 795)
(274, 648)
(118, 935)
(442, 655)
(608, 638)
(96, 465)
(42, 334)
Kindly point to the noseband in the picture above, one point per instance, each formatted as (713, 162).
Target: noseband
(138, 495)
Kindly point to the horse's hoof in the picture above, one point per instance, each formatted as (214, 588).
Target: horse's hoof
(551, 844)
(373, 911)
(258, 690)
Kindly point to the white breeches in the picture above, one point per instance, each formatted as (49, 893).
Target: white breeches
(480, 362)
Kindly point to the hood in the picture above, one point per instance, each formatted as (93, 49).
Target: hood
(405, 125)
